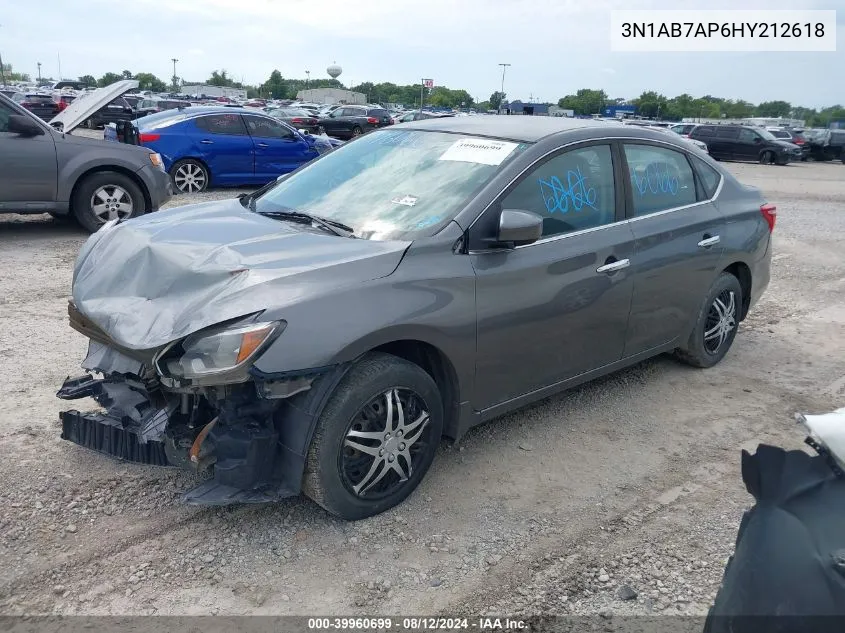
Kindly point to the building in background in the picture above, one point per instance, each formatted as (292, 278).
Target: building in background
(332, 95)
(205, 90)
(557, 111)
(619, 111)
(520, 107)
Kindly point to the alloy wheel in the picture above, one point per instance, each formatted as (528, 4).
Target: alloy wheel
(382, 442)
(111, 202)
(189, 178)
(720, 322)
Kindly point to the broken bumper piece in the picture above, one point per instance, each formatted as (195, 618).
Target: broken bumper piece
(105, 434)
(145, 426)
(132, 428)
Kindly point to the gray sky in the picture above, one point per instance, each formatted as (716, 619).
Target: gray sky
(554, 46)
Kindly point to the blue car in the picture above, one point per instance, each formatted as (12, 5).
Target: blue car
(226, 147)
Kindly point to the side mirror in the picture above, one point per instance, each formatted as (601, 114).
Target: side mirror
(23, 125)
(518, 228)
(758, 140)
(304, 132)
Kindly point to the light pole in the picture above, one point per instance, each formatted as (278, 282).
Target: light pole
(174, 60)
(307, 79)
(2, 71)
(502, 92)
(39, 73)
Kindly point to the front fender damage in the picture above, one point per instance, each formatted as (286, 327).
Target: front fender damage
(250, 440)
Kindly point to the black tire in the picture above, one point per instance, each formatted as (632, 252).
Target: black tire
(355, 401)
(699, 352)
(192, 174)
(767, 158)
(357, 131)
(106, 181)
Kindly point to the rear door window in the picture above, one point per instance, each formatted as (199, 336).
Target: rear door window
(707, 176)
(660, 178)
(227, 124)
(727, 132)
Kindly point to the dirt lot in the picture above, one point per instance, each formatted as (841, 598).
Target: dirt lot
(630, 483)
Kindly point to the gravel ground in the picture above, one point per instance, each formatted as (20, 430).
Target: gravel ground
(620, 497)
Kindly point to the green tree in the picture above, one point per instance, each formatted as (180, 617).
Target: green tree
(108, 79)
(126, 74)
(496, 99)
(585, 101)
(220, 78)
(275, 86)
(148, 81)
(774, 109)
(88, 80)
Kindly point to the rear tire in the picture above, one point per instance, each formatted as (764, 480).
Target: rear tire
(354, 484)
(105, 196)
(716, 326)
(190, 176)
(356, 131)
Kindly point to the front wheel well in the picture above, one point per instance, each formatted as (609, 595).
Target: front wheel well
(437, 365)
(148, 204)
(742, 272)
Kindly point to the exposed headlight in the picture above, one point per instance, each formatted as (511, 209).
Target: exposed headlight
(217, 351)
(156, 160)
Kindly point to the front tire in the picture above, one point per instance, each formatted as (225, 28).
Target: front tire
(375, 439)
(767, 158)
(717, 323)
(105, 196)
(189, 176)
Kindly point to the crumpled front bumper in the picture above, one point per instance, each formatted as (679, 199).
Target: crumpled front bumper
(132, 428)
(252, 439)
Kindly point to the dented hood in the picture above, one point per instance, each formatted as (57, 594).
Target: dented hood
(160, 277)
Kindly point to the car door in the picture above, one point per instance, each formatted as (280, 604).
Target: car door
(278, 149)
(334, 122)
(747, 145)
(28, 168)
(559, 307)
(678, 232)
(223, 143)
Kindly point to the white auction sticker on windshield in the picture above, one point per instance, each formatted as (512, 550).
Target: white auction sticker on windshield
(479, 150)
(407, 201)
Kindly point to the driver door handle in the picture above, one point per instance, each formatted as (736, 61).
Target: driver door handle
(205, 141)
(262, 145)
(612, 267)
(707, 242)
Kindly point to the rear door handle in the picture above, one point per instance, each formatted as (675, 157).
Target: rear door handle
(707, 242)
(612, 267)
(205, 141)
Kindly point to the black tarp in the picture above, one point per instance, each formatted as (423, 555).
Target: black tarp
(787, 574)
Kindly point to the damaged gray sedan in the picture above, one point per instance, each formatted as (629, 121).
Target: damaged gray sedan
(322, 334)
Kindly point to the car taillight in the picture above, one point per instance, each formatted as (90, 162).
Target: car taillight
(770, 214)
(799, 141)
(61, 105)
(296, 120)
(146, 138)
(372, 120)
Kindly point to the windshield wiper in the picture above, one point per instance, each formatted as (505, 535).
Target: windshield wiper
(338, 228)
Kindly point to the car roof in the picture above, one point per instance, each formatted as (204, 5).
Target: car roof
(527, 129)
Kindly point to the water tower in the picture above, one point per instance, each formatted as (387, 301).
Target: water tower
(334, 70)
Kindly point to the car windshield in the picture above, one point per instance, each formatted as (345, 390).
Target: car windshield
(392, 184)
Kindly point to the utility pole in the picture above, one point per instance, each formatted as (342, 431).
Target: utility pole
(175, 79)
(502, 92)
(39, 73)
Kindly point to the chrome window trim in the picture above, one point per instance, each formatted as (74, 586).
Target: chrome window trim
(554, 238)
